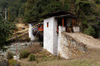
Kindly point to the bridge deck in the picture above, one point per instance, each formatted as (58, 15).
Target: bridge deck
(89, 41)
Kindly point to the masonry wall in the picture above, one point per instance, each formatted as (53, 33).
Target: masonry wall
(70, 47)
(50, 35)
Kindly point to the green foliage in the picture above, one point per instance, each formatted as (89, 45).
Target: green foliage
(90, 20)
(36, 9)
(31, 57)
(4, 4)
(88, 13)
(83, 7)
(32, 10)
(89, 31)
(14, 7)
(12, 62)
(6, 29)
(97, 1)
(21, 11)
(56, 6)
(85, 23)
(9, 55)
(24, 53)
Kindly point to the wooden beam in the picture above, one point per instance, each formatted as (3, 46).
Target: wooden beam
(62, 21)
(73, 22)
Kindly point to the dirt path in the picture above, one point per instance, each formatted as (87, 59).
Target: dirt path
(89, 41)
(27, 63)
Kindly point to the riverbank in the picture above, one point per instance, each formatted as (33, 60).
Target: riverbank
(15, 48)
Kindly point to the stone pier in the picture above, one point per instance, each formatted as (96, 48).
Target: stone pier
(70, 47)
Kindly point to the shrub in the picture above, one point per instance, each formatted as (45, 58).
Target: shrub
(9, 55)
(31, 57)
(24, 53)
(89, 31)
(97, 1)
(12, 62)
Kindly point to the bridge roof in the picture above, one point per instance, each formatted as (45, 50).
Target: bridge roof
(60, 14)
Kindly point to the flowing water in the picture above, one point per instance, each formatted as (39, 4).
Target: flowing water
(13, 48)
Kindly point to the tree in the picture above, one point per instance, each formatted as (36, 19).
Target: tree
(89, 31)
(6, 29)
(14, 6)
(97, 1)
(37, 8)
(88, 13)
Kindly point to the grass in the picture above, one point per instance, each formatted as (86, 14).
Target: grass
(24, 54)
(76, 62)
(40, 56)
(12, 62)
(44, 58)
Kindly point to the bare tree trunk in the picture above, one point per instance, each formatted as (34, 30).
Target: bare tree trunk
(6, 14)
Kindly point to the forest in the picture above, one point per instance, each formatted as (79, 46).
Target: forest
(87, 11)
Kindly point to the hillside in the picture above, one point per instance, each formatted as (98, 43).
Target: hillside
(89, 59)
(87, 11)
(88, 18)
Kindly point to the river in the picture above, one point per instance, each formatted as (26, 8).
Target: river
(13, 48)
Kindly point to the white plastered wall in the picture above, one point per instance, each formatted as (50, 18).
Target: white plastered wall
(61, 29)
(31, 36)
(50, 35)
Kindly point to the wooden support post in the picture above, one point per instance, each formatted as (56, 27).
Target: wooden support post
(73, 22)
(62, 21)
